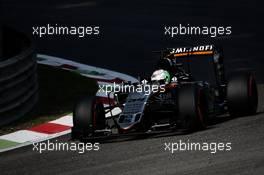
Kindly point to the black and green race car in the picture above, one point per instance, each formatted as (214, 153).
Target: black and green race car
(175, 98)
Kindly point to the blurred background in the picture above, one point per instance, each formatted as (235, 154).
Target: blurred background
(131, 30)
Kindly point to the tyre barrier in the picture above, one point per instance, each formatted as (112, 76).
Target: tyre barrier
(18, 77)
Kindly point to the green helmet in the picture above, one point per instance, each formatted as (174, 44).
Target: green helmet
(161, 75)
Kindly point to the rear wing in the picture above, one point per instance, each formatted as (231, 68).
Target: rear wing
(190, 51)
(215, 53)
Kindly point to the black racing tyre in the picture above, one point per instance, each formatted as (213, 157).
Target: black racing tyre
(88, 116)
(193, 108)
(242, 94)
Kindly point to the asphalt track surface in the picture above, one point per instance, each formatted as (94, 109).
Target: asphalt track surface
(130, 31)
(147, 156)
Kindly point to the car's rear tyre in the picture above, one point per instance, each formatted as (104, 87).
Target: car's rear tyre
(242, 94)
(88, 116)
(192, 106)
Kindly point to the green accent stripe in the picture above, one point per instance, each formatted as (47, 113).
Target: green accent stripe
(6, 144)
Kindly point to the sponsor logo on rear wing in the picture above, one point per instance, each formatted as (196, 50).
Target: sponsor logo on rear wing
(188, 51)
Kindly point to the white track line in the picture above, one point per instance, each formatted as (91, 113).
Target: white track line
(23, 136)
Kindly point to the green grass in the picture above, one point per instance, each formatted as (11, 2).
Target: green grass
(6, 144)
(58, 91)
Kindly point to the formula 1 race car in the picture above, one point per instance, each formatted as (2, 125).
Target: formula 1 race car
(172, 99)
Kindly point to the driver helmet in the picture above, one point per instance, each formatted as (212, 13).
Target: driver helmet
(161, 74)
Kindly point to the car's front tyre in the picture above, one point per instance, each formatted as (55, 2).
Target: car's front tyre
(88, 116)
(192, 108)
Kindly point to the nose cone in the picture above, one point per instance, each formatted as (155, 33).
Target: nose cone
(129, 121)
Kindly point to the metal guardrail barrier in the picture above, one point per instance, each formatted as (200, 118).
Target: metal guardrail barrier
(18, 77)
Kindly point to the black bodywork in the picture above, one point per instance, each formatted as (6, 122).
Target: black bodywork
(146, 112)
